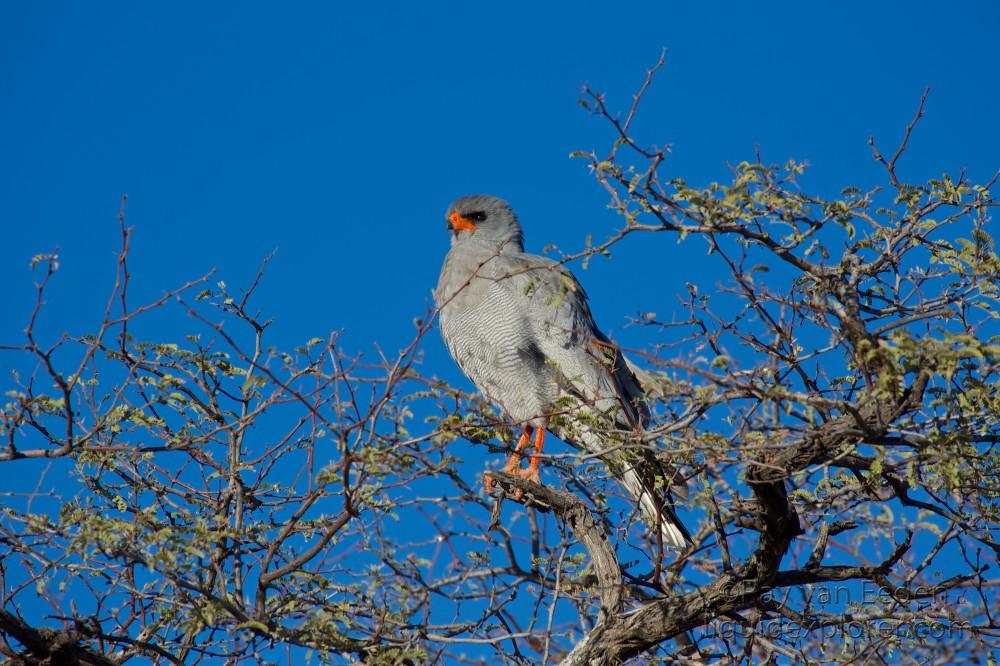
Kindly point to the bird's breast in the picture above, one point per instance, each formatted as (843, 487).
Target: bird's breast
(484, 327)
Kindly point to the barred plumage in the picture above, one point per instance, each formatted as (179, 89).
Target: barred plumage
(520, 328)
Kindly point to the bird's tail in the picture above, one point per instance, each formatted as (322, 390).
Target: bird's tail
(638, 477)
(656, 510)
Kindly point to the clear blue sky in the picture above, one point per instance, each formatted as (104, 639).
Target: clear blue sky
(338, 134)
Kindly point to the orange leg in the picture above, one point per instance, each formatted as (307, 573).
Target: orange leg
(513, 464)
(531, 474)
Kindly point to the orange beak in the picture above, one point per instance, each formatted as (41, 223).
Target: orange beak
(459, 223)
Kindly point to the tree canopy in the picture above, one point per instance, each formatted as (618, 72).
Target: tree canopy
(828, 387)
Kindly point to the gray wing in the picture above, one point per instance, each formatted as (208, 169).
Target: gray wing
(555, 305)
(596, 371)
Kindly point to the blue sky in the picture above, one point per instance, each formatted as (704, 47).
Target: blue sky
(339, 133)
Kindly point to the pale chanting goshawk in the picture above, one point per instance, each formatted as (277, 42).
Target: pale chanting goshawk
(520, 328)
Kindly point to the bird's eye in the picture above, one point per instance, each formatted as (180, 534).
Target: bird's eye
(477, 216)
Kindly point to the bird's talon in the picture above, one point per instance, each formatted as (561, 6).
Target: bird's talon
(532, 476)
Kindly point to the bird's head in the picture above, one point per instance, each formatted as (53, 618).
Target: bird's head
(486, 218)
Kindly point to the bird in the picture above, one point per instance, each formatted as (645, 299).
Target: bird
(520, 328)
